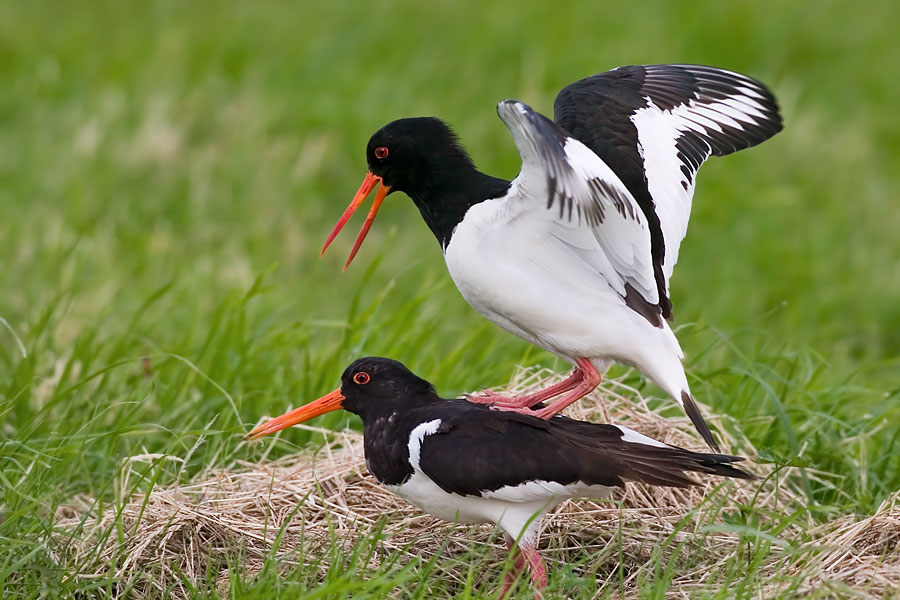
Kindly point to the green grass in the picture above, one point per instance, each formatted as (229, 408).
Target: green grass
(169, 170)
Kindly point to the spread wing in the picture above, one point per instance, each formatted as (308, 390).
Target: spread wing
(582, 209)
(654, 125)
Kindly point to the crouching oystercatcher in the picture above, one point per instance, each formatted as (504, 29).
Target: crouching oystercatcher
(575, 254)
(465, 463)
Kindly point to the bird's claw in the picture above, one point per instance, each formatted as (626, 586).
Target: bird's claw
(542, 413)
(523, 410)
(486, 397)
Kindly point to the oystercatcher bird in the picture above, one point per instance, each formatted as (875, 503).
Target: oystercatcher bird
(465, 463)
(575, 254)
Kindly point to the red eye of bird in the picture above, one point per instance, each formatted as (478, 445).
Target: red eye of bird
(361, 378)
(381, 152)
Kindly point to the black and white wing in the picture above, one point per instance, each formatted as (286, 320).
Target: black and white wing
(654, 125)
(520, 458)
(584, 211)
(502, 452)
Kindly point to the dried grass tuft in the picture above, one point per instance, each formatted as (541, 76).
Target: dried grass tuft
(295, 508)
(863, 555)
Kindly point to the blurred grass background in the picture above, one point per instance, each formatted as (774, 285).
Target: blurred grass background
(168, 172)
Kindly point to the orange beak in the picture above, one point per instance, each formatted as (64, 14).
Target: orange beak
(365, 189)
(326, 403)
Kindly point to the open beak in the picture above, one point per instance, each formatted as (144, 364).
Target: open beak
(326, 403)
(365, 189)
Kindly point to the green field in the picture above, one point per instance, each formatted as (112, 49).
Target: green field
(168, 172)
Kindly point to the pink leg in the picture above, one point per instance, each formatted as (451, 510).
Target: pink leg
(509, 578)
(529, 400)
(538, 568)
(526, 554)
(591, 378)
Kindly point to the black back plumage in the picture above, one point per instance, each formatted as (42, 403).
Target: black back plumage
(508, 449)
(476, 449)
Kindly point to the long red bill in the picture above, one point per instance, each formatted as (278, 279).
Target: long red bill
(326, 403)
(365, 189)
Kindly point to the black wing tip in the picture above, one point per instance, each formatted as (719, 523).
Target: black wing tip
(653, 313)
(693, 412)
(723, 465)
(665, 303)
(710, 77)
(671, 466)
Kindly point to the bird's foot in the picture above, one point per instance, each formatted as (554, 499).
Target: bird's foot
(541, 413)
(490, 398)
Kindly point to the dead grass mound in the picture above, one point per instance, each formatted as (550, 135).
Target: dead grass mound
(863, 554)
(296, 508)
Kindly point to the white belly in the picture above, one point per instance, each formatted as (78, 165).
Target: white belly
(512, 517)
(535, 287)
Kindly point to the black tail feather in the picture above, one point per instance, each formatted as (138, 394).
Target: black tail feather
(722, 464)
(603, 454)
(671, 466)
(690, 407)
